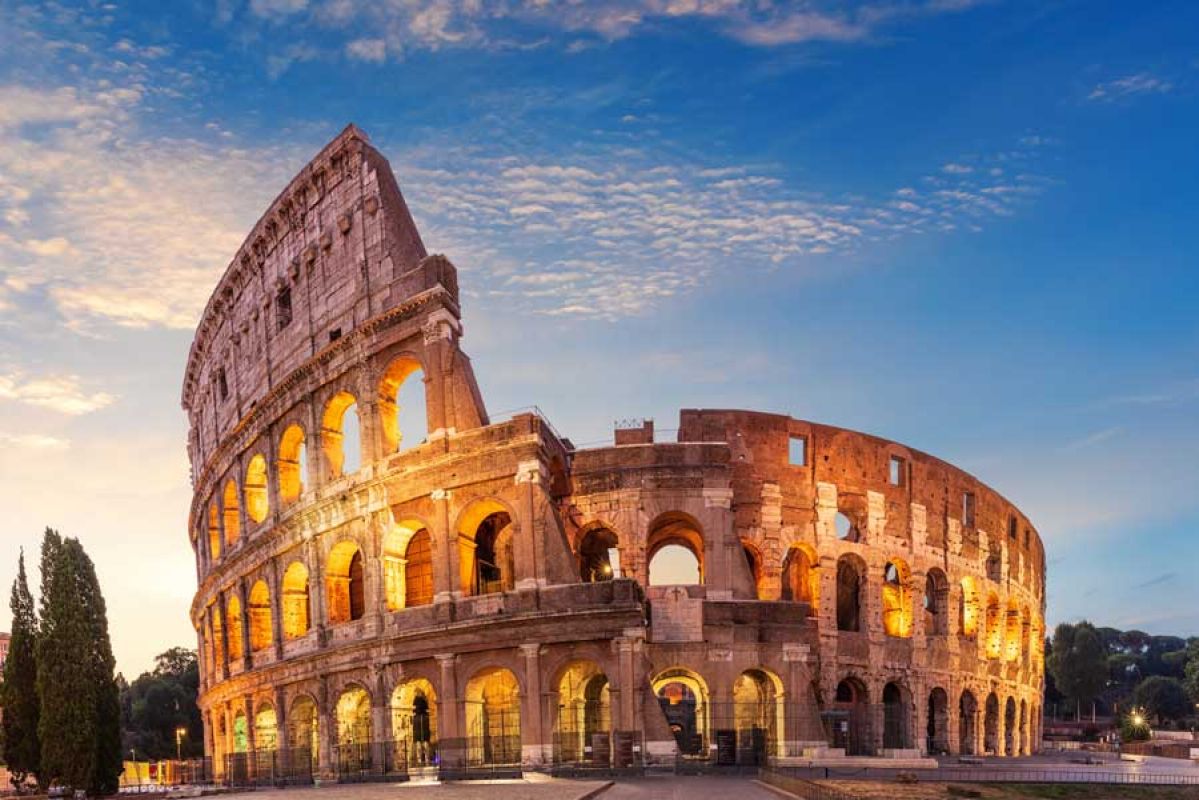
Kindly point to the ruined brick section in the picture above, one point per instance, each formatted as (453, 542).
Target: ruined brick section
(480, 591)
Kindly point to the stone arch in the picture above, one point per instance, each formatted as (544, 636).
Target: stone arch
(414, 719)
(292, 466)
(233, 626)
(352, 713)
(1009, 727)
(897, 599)
(486, 541)
(851, 571)
(753, 561)
(231, 513)
(684, 535)
(897, 701)
(801, 577)
(936, 603)
(214, 531)
(216, 616)
(402, 394)
(758, 715)
(683, 697)
(1011, 634)
(258, 504)
(266, 728)
(241, 732)
(493, 717)
(341, 440)
(345, 583)
(398, 569)
(938, 722)
(994, 641)
(991, 725)
(583, 723)
(967, 723)
(599, 547)
(418, 569)
(849, 717)
(259, 612)
(296, 601)
(303, 724)
(968, 608)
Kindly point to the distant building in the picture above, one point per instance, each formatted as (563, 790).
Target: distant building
(4, 640)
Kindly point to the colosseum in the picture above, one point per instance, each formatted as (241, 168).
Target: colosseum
(392, 582)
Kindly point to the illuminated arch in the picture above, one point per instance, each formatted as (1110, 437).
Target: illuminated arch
(241, 733)
(897, 599)
(407, 565)
(486, 531)
(293, 464)
(233, 626)
(216, 620)
(583, 712)
(994, 640)
(341, 439)
(259, 608)
(353, 715)
(232, 513)
(414, 720)
(599, 555)
(683, 697)
(257, 502)
(345, 583)
(266, 728)
(758, 711)
(674, 535)
(1011, 634)
(968, 608)
(214, 531)
(801, 577)
(303, 724)
(418, 571)
(297, 607)
(402, 389)
(493, 717)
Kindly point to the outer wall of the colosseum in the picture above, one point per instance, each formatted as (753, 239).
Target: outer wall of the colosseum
(458, 563)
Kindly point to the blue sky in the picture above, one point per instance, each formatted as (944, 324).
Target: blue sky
(968, 226)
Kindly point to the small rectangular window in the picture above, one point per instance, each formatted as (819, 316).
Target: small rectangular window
(335, 334)
(968, 509)
(222, 383)
(897, 471)
(283, 308)
(797, 451)
(1013, 527)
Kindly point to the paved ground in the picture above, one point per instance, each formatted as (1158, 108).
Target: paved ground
(688, 787)
(536, 789)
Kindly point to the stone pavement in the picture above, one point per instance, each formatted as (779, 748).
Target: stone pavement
(538, 788)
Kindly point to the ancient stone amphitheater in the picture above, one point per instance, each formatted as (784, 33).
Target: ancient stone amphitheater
(390, 580)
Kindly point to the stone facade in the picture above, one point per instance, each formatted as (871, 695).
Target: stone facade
(479, 592)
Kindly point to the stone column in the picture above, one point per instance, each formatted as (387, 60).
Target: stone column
(447, 576)
(532, 735)
(529, 545)
(316, 590)
(327, 729)
(770, 587)
(451, 717)
(251, 736)
(281, 740)
(721, 544)
(379, 708)
(243, 609)
(220, 609)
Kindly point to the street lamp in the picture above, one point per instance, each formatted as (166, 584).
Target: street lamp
(179, 734)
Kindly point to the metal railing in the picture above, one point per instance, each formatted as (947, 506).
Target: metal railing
(984, 774)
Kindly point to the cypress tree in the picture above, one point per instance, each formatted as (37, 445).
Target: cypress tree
(65, 677)
(18, 689)
(102, 665)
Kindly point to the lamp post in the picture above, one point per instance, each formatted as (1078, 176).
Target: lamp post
(179, 734)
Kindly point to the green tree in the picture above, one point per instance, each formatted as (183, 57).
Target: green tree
(1162, 698)
(18, 688)
(1078, 662)
(160, 702)
(1191, 672)
(80, 706)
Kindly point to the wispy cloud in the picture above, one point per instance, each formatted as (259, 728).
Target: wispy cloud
(61, 393)
(1165, 577)
(33, 441)
(1129, 86)
(1090, 440)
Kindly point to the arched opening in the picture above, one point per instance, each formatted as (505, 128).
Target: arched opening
(849, 593)
(353, 714)
(599, 556)
(849, 718)
(401, 405)
(215, 616)
(938, 722)
(968, 608)
(753, 562)
(233, 625)
(896, 734)
(486, 548)
(584, 726)
(232, 513)
(847, 530)
(674, 548)
(1011, 636)
(414, 720)
(991, 725)
(1009, 728)
(293, 464)
(801, 577)
(407, 565)
(266, 729)
(683, 697)
(897, 601)
(967, 723)
(757, 715)
(241, 733)
(261, 633)
(493, 718)
(257, 502)
(214, 531)
(304, 732)
(994, 641)
(418, 571)
(297, 607)
(341, 436)
(936, 603)
(345, 584)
